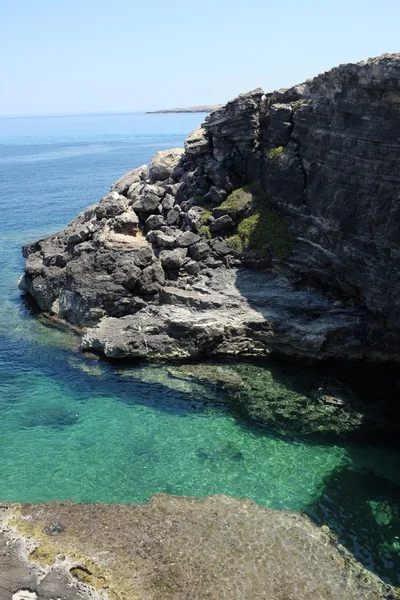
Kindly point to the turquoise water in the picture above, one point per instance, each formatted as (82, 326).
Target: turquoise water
(75, 428)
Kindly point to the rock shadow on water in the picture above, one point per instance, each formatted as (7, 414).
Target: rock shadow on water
(363, 508)
(323, 403)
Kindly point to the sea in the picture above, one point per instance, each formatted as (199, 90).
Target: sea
(74, 428)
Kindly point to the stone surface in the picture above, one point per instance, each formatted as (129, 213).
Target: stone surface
(23, 579)
(230, 312)
(182, 548)
(163, 163)
(325, 157)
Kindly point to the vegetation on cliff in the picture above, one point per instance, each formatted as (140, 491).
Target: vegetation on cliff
(263, 230)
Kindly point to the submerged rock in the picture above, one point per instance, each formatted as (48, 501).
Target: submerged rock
(300, 184)
(290, 402)
(186, 548)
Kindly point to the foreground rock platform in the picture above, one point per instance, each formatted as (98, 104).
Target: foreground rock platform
(176, 547)
(292, 194)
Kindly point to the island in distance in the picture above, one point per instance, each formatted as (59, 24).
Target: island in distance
(192, 109)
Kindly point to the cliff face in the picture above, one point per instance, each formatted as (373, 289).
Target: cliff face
(328, 155)
(324, 217)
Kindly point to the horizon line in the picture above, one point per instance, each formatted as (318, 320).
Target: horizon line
(83, 114)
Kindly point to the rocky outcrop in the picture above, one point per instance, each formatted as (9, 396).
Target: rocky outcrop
(177, 547)
(277, 229)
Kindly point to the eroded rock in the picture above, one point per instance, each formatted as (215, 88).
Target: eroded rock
(323, 158)
(187, 547)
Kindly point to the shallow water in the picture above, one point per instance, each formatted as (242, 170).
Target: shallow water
(74, 428)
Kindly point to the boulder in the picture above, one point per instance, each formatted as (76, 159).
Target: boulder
(127, 223)
(151, 279)
(111, 205)
(168, 202)
(173, 215)
(122, 184)
(132, 278)
(163, 163)
(147, 204)
(221, 224)
(143, 255)
(173, 259)
(154, 222)
(160, 239)
(215, 195)
(199, 251)
(187, 238)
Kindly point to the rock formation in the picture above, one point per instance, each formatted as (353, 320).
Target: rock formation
(176, 547)
(277, 229)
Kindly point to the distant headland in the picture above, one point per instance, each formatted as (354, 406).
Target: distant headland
(192, 109)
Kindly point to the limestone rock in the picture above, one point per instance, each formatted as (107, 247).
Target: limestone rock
(325, 156)
(163, 163)
(276, 555)
(138, 175)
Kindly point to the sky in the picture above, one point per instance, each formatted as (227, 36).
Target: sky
(93, 56)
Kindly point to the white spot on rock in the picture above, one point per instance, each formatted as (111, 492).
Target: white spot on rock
(24, 595)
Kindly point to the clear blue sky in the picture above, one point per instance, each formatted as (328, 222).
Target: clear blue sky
(67, 56)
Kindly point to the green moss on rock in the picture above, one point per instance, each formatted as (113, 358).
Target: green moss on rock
(238, 200)
(205, 231)
(264, 230)
(205, 216)
(235, 242)
(276, 152)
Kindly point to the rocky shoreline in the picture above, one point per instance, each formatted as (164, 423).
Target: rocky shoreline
(176, 547)
(276, 229)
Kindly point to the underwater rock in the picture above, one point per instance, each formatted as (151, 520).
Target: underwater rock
(188, 548)
(291, 401)
(54, 416)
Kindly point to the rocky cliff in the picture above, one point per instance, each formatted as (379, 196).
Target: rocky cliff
(276, 229)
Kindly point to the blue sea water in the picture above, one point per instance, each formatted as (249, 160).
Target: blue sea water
(73, 428)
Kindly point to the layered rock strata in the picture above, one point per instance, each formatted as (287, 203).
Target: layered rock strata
(180, 259)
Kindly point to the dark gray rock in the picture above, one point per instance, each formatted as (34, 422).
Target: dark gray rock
(111, 205)
(154, 222)
(173, 259)
(143, 256)
(193, 218)
(161, 239)
(199, 251)
(174, 215)
(220, 247)
(148, 204)
(215, 195)
(222, 224)
(132, 278)
(168, 202)
(151, 279)
(187, 238)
